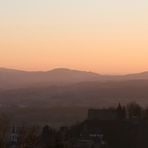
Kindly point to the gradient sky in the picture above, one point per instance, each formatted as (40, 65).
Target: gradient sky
(104, 36)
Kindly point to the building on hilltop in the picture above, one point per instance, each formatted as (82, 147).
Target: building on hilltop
(107, 114)
(102, 114)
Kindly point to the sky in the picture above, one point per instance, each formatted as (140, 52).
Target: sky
(103, 36)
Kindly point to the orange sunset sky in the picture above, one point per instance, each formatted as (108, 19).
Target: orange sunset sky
(103, 36)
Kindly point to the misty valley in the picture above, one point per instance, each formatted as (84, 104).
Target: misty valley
(63, 96)
(65, 108)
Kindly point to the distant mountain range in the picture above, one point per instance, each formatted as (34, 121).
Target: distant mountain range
(11, 79)
(64, 95)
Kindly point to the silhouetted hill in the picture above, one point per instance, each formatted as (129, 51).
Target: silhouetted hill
(10, 78)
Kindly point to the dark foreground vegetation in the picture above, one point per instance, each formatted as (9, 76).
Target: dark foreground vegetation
(120, 127)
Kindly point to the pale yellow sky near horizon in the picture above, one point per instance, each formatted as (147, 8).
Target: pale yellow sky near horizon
(108, 37)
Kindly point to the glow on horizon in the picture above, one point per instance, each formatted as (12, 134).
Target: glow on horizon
(109, 36)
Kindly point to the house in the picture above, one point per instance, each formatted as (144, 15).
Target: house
(13, 138)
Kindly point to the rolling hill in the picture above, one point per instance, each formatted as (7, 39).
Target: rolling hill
(10, 78)
(63, 96)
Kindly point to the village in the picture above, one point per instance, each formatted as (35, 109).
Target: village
(104, 128)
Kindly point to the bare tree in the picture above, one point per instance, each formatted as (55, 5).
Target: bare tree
(29, 137)
(4, 124)
(134, 110)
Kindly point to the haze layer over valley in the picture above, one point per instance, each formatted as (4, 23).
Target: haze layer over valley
(63, 96)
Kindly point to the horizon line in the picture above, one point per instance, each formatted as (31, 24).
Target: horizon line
(71, 69)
